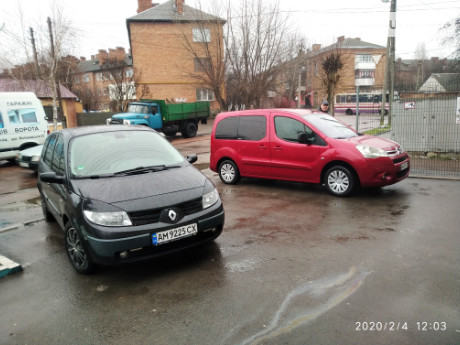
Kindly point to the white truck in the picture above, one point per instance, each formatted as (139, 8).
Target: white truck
(23, 123)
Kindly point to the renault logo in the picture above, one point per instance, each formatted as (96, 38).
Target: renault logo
(172, 215)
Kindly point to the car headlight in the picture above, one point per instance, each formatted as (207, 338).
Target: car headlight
(371, 152)
(210, 198)
(35, 159)
(108, 218)
(126, 122)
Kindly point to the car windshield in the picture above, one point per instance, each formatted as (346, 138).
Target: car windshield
(138, 108)
(123, 152)
(330, 126)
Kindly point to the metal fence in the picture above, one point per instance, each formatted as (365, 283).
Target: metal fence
(427, 125)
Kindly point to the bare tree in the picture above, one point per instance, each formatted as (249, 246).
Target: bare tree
(332, 67)
(452, 37)
(43, 55)
(121, 81)
(208, 54)
(90, 96)
(257, 44)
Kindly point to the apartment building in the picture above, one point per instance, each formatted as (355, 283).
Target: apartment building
(363, 66)
(171, 45)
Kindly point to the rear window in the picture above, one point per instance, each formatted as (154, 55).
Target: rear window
(252, 128)
(227, 128)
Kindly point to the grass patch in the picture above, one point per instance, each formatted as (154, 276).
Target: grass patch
(378, 130)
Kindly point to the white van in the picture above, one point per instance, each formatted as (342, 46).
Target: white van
(23, 123)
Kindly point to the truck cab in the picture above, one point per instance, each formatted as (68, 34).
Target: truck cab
(139, 113)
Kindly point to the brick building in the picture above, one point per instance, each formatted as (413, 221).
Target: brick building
(94, 79)
(363, 65)
(170, 44)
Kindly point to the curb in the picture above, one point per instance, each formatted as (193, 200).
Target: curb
(8, 266)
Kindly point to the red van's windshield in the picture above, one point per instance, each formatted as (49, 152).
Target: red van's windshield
(330, 126)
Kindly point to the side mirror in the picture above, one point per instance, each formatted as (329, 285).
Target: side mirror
(306, 138)
(192, 158)
(52, 177)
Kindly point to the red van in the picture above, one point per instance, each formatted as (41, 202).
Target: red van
(304, 146)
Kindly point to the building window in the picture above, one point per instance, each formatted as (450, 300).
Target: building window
(202, 64)
(99, 76)
(203, 94)
(76, 80)
(364, 58)
(86, 78)
(129, 73)
(201, 35)
(364, 73)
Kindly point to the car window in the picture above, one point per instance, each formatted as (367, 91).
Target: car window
(57, 163)
(227, 128)
(289, 129)
(252, 127)
(1, 120)
(28, 115)
(112, 152)
(48, 149)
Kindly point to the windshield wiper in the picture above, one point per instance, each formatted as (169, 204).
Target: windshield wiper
(141, 170)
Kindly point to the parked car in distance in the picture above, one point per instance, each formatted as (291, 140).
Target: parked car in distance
(30, 157)
(304, 146)
(123, 194)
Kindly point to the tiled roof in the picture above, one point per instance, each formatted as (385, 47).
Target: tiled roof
(351, 43)
(450, 81)
(167, 12)
(38, 87)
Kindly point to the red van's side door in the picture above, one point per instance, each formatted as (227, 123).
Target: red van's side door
(291, 160)
(253, 146)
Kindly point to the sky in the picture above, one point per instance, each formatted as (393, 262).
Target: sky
(101, 24)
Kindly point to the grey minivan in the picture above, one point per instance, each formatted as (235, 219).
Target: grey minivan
(124, 194)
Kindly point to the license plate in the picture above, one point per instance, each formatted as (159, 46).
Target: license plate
(404, 166)
(174, 234)
(24, 165)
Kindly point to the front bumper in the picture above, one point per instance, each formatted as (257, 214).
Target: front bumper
(140, 247)
(384, 172)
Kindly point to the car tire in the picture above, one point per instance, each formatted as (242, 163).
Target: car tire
(190, 130)
(339, 181)
(170, 133)
(46, 214)
(349, 112)
(228, 172)
(76, 251)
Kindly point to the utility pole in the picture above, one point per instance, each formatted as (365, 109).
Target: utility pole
(32, 39)
(57, 114)
(390, 65)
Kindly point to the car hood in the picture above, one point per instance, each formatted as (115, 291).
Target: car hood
(154, 189)
(369, 140)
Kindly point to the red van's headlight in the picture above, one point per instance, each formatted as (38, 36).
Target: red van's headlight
(371, 152)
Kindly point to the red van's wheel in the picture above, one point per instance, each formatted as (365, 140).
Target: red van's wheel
(228, 172)
(339, 181)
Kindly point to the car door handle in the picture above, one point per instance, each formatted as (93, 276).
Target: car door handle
(277, 148)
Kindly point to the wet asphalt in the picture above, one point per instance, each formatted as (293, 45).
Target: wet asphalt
(294, 265)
